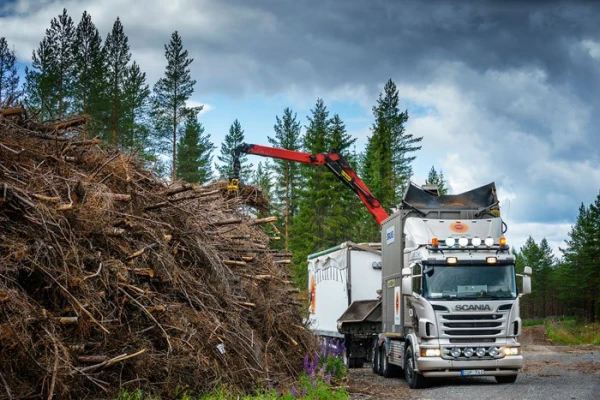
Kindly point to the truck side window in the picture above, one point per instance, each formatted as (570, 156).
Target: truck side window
(417, 271)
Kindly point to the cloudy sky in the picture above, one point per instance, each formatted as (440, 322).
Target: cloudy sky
(503, 91)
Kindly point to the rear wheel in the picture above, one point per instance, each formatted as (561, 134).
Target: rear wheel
(414, 379)
(506, 378)
(388, 370)
(375, 358)
(381, 356)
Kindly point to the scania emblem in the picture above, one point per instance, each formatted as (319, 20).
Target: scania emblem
(473, 307)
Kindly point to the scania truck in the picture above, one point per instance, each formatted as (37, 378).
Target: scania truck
(449, 303)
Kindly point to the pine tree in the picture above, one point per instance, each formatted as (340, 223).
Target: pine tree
(194, 153)
(9, 77)
(232, 140)
(171, 94)
(437, 179)
(63, 35)
(39, 82)
(89, 83)
(135, 99)
(388, 156)
(116, 49)
(49, 84)
(286, 173)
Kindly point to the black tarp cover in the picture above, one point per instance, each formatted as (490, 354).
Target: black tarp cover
(476, 199)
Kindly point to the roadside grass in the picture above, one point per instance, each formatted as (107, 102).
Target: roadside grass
(318, 382)
(568, 331)
(533, 322)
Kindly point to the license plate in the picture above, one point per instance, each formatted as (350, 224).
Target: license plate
(469, 372)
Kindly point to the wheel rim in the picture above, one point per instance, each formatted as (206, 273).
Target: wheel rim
(409, 367)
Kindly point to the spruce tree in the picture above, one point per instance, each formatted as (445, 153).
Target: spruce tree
(9, 77)
(89, 83)
(116, 49)
(171, 94)
(308, 233)
(342, 212)
(435, 178)
(543, 276)
(262, 178)
(286, 173)
(580, 273)
(389, 150)
(530, 256)
(194, 153)
(232, 140)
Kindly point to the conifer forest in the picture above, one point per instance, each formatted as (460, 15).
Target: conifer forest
(78, 70)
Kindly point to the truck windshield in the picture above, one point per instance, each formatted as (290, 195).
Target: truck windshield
(461, 282)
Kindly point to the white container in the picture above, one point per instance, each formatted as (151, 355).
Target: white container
(337, 277)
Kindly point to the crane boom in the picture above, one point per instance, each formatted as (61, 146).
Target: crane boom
(333, 161)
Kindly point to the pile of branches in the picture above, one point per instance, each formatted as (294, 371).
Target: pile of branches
(111, 279)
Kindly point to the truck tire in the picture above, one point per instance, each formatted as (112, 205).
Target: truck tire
(375, 358)
(414, 379)
(506, 378)
(388, 370)
(355, 362)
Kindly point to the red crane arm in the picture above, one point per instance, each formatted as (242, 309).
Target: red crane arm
(333, 161)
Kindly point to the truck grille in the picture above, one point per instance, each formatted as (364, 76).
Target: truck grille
(469, 325)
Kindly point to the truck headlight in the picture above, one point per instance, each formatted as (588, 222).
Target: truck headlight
(468, 352)
(511, 351)
(430, 352)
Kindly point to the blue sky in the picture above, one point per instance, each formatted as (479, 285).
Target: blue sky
(502, 91)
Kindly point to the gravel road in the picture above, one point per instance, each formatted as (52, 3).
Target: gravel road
(551, 372)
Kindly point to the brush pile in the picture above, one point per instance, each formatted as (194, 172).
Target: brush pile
(111, 280)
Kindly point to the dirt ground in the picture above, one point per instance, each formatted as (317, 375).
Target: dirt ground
(541, 362)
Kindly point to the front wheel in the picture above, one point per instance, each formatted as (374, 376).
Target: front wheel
(413, 378)
(506, 378)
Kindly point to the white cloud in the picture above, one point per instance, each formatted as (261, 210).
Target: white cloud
(195, 103)
(592, 47)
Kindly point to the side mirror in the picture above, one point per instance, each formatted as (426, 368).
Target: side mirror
(526, 283)
(527, 271)
(406, 284)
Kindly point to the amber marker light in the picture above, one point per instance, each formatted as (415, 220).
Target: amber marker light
(503, 241)
(434, 242)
